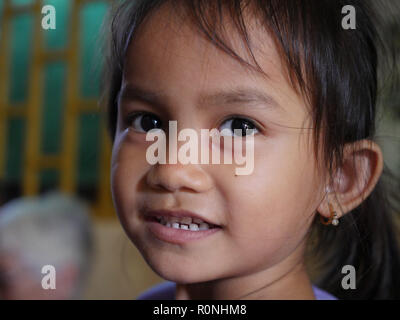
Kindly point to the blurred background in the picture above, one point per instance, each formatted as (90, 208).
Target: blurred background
(53, 138)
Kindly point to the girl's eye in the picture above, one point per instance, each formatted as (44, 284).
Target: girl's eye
(144, 122)
(238, 123)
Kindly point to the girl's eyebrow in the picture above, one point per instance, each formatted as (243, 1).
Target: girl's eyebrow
(134, 93)
(236, 96)
(240, 96)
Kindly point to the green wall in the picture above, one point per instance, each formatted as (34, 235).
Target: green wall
(54, 73)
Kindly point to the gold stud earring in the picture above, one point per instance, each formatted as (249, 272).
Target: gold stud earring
(333, 219)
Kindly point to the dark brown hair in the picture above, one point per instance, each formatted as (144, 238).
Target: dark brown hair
(336, 71)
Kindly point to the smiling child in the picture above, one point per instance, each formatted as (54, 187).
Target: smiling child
(306, 88)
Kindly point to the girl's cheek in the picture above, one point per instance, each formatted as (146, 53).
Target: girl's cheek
(262, 204)
(127, 165)
(129, 150)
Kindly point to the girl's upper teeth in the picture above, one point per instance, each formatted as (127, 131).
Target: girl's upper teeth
(186, 223)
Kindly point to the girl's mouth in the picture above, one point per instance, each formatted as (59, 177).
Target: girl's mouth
(184, 223)
(179, 230)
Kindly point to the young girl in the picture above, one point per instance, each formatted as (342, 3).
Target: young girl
(306, 87)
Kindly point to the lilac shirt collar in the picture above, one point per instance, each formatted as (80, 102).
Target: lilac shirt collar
(166, 291)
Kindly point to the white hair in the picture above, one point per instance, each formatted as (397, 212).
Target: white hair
(54, 229)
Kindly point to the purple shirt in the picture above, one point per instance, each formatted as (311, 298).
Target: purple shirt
(166, 291)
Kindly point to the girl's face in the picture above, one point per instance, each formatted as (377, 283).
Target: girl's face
(264, 216)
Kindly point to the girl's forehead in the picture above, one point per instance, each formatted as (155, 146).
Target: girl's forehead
(168, 48)
(167, 34)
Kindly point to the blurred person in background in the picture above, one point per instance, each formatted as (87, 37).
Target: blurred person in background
(54, 230)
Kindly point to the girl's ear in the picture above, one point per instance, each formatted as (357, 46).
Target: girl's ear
(355, 180)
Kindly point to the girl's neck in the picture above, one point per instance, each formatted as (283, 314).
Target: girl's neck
(292, 284)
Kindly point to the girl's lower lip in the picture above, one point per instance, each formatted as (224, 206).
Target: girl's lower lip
(177, 236)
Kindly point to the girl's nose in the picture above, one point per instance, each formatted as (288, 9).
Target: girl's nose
(174, 177)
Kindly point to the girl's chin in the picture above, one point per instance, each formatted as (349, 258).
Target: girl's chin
(171, 273)
(178, 268)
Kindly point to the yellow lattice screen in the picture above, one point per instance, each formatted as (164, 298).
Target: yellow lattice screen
(75, 105)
